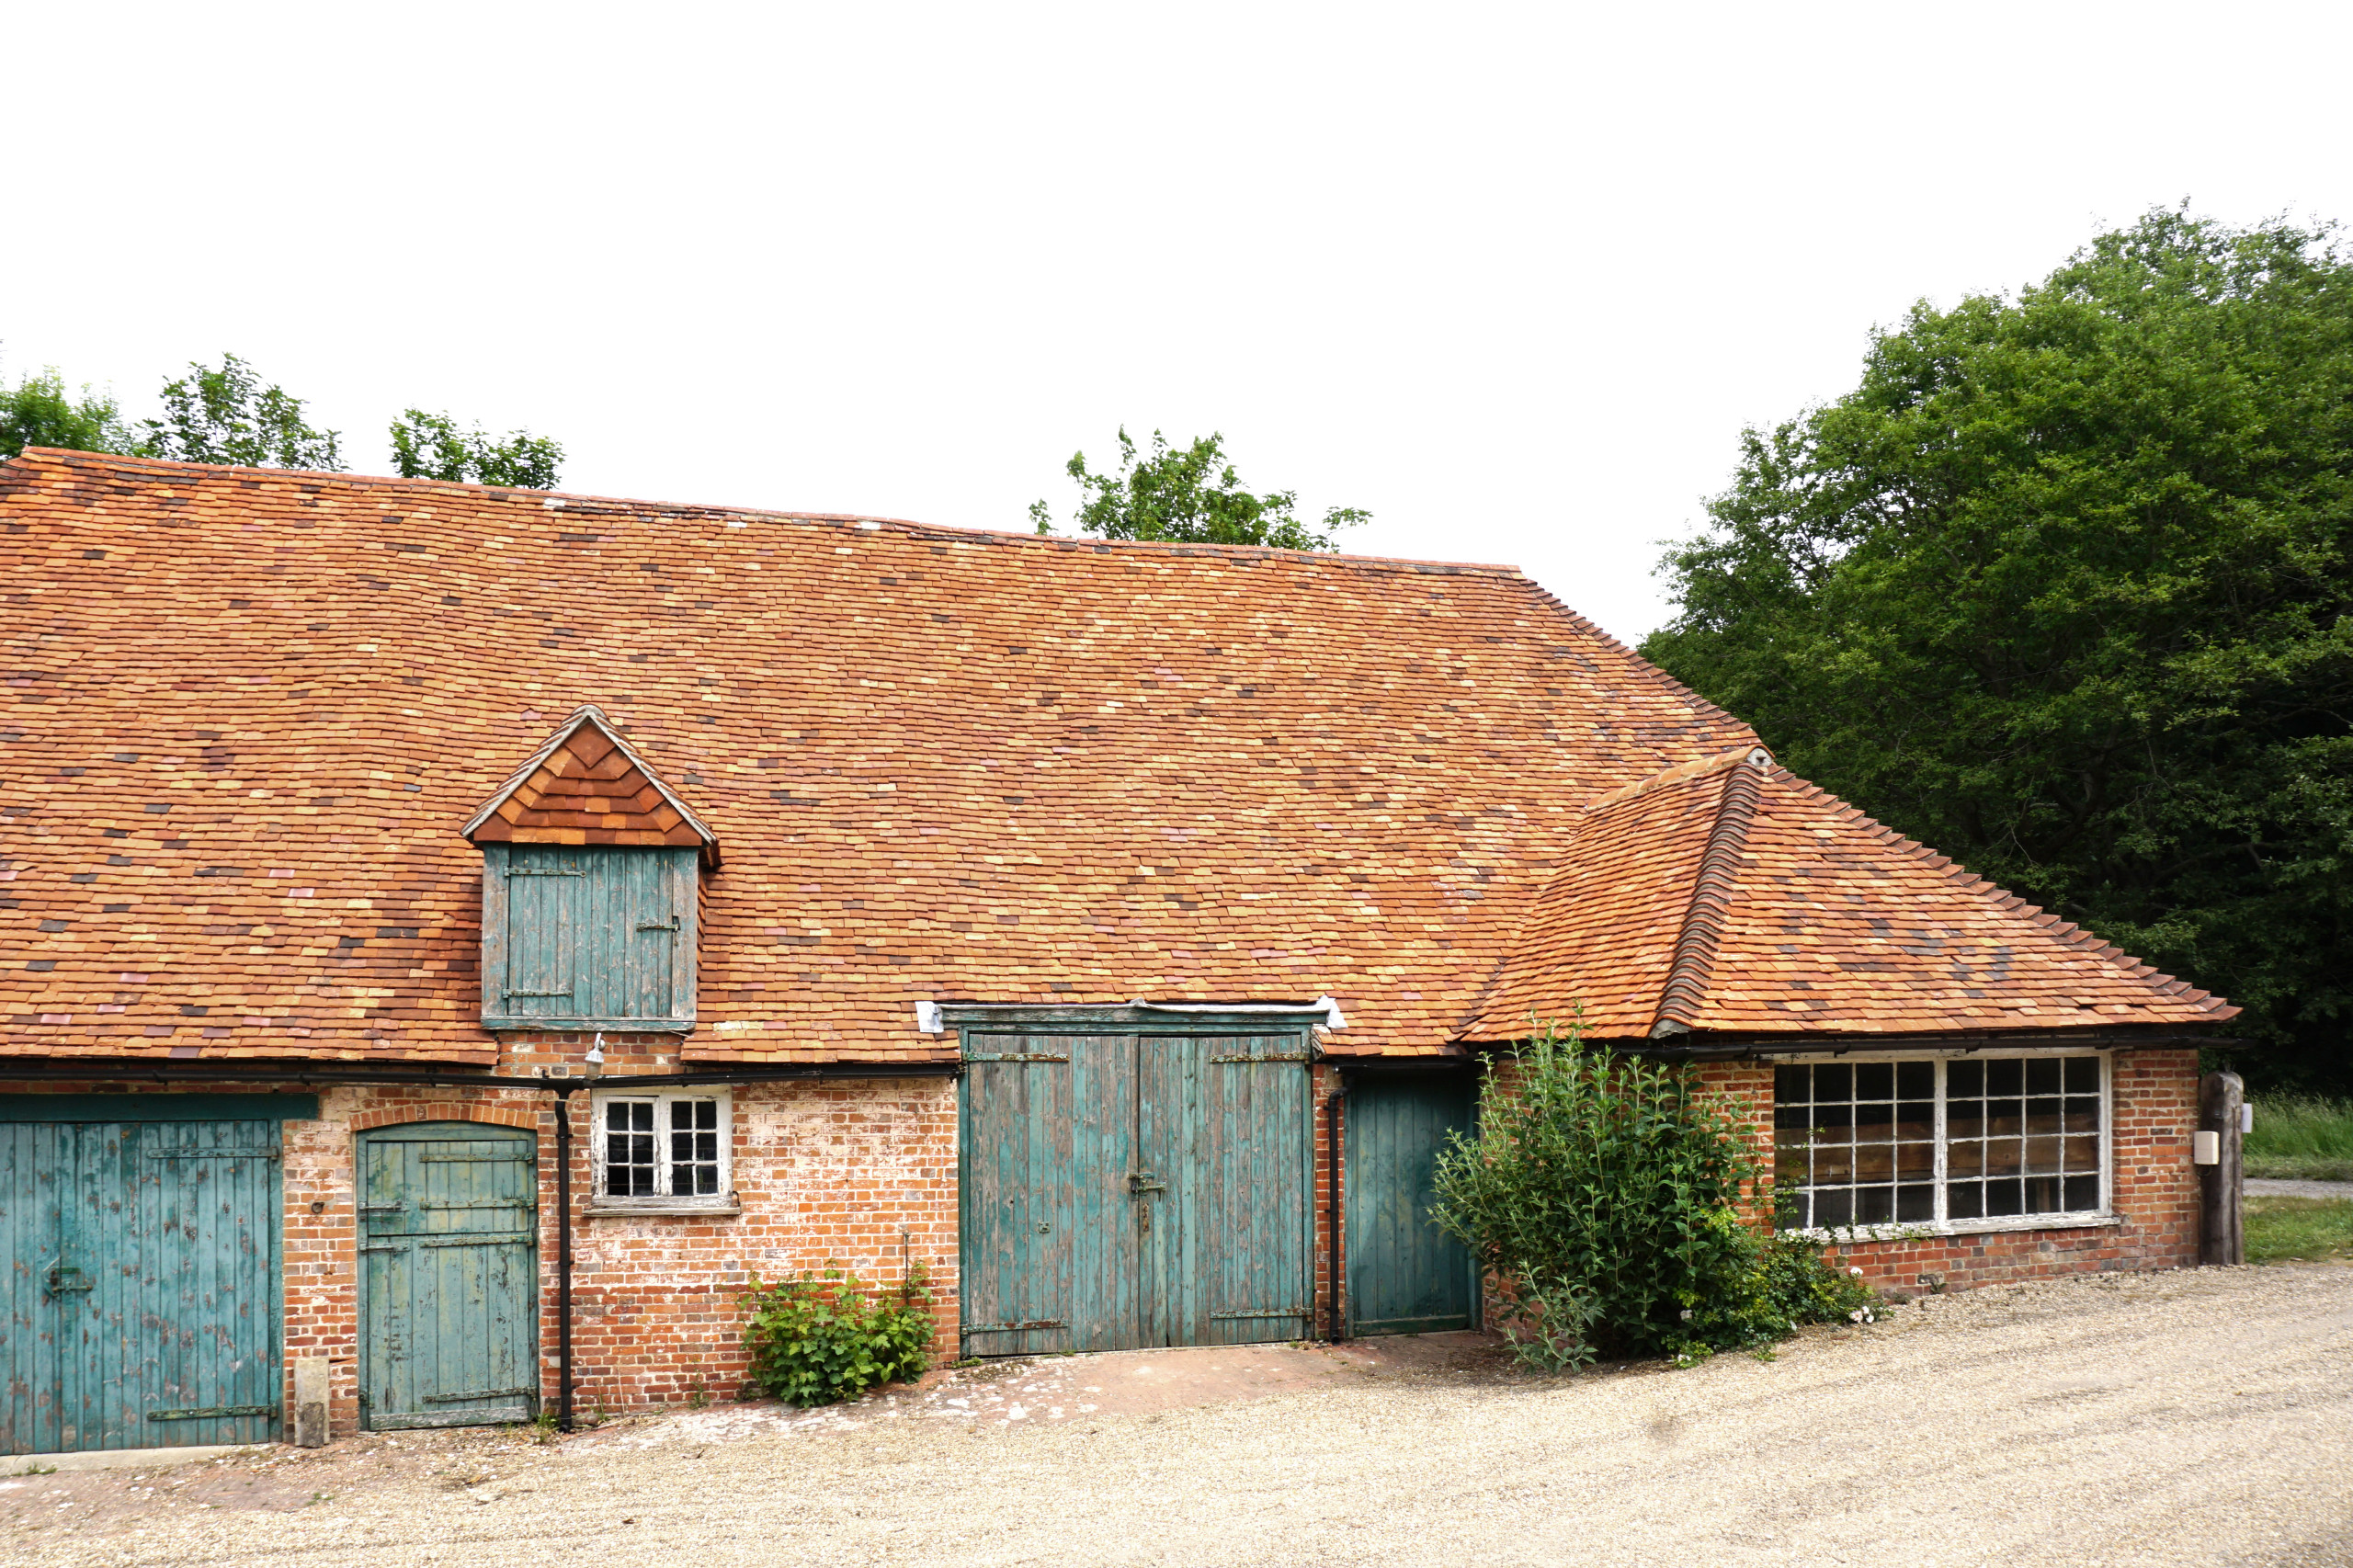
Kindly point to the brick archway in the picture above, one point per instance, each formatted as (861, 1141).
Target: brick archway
(523, 1120)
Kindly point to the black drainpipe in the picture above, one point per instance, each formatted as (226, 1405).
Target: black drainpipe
(564, 1257)
(1339, 1325)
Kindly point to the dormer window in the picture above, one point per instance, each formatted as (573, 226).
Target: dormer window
(591, 876)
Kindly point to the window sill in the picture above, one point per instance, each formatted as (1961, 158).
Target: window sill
(1959, 1228)
(710, 1209)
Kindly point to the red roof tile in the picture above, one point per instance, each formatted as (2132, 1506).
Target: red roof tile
(586, 785)
(1731, 897)
(249, 712)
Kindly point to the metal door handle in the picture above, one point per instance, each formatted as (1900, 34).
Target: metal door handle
(1141, 1182)
(669, 924)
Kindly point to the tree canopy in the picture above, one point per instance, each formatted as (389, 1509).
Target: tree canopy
(231, 415)
(1190, 496)
(431, 446)
(39, 413)
(227, 415)
(2065, 588)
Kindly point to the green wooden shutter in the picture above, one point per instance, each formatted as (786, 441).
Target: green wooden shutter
(588, 937)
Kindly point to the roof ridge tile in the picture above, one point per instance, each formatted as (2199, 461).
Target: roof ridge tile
(1711, 893)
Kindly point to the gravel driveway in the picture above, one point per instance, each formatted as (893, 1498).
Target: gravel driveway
(2197, 1417)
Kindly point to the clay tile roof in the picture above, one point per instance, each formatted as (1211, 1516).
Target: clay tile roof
(586, 785)
(1728, 896)
(248, 712)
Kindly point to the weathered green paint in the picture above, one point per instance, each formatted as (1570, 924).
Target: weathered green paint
(448, 1275)
(159, 1107)
(1405, 1276)
(588, 938)
(1123, 1189)
(142, 1292)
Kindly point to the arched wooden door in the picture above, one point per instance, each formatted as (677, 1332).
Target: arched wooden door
(448, 1275)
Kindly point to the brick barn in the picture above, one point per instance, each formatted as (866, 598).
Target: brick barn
(458, 937)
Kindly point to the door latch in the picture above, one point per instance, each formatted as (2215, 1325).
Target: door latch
(1144, 1181)
(64, 1278)
(669, 924)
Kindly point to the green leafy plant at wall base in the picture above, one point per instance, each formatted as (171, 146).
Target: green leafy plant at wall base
(820, 1339)
(1602, 1195)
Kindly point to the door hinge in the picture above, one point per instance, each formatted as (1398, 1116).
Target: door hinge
(213, 1413)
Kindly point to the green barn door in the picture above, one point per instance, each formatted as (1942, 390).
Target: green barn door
(448, 1275)
(144, 1299)
(1050, 1239)
(1123, 1190)
(1223, 1129)
(1405, 1276)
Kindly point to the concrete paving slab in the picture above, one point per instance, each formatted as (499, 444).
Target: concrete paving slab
(119, 1459)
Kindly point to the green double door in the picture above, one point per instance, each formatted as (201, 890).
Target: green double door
(1126, 1190)
(448, 1275)
(1404, 1275)
(141, 1295)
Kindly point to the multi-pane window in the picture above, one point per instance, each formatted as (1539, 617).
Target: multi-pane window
(1930, 1141)
(662, 1146)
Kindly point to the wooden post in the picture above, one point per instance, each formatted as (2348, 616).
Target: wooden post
(2222, 1186)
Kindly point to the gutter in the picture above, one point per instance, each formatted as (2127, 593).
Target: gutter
(1738, 1050)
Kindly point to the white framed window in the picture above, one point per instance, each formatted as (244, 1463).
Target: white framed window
(1980, 1141)
(664, 1150)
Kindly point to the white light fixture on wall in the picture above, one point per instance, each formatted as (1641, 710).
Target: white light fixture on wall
(597, 1052)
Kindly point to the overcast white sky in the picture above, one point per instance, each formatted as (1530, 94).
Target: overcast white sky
(1511, 276)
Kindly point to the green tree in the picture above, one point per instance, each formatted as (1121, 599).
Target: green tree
(227, 415)
(1190, 496)
(430, 445)
(40, 413)
(2065, 588)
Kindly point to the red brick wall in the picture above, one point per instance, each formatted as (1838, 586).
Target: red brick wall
(1325, 1082)
(2154, 1107)
(860, 1173)
(2154, 1102)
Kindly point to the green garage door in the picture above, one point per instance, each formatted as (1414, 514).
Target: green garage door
(143, 1293)
(1122, 1190)
(1405, 1276)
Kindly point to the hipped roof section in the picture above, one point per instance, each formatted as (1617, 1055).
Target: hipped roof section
(586, 785)
(1730, 897)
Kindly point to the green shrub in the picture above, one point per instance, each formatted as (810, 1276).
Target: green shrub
(820, 1339)
(1600, 1194)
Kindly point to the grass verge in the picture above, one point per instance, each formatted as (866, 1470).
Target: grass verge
(2298, 1230)
(2300, 1138)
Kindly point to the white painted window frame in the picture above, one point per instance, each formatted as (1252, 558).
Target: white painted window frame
(723, 1201)
(1941, 1225)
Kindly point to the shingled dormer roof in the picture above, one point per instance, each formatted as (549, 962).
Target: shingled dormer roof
(587, 786)
(1727, 896)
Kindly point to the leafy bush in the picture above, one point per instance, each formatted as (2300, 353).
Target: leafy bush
(821, 1339)
(1600, 1194)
